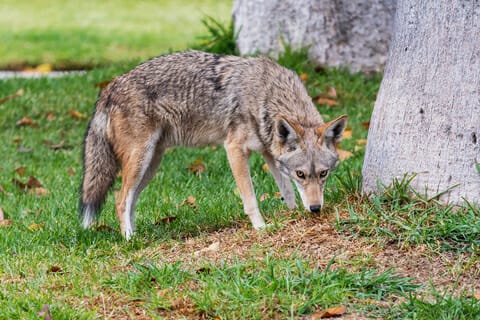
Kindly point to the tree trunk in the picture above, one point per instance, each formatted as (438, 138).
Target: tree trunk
(426, 118)
(351, 33)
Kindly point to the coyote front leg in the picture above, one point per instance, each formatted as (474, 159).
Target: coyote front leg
(238, 159)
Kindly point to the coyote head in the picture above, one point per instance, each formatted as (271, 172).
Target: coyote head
(307, 155)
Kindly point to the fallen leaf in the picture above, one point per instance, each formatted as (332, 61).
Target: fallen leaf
(197, 168)
(11, 96)
(5, 223)
(17, 139)
(265, 167)
(70, 171)
(35, 227)
(277, 195)
(191, 201)
(304, 76)
(50, 116)
(23, 149)
(20, 171)
(33, 183)
(264, 196)
(358, 148)
(103, 227)
(60, 146)
(39, 191)
(347, 133)
(211, 248)
(165, 220)
(477, 295)
(332, 92)
(45, 312)
(55, 269)
(362, 141)
(366, 124)
(76, 114)
(344, 154)
(326, 101)
(328, 313)
(25, 121)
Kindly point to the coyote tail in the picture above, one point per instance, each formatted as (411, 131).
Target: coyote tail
(99, 167)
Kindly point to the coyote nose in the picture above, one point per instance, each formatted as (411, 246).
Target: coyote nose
(315, 208)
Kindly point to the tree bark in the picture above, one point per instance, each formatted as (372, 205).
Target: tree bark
(350, 33)
(426, 119)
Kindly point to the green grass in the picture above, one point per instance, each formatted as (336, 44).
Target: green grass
(45, 258)
(405, 217)
(71, 34)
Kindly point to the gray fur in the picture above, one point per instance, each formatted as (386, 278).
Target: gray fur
(196, 99)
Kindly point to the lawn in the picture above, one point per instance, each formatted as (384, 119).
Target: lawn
(195, 254)
(83, 34)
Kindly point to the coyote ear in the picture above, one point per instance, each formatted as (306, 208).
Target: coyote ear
(286, 132)
(332, 131)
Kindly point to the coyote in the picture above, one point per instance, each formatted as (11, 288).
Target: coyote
(197, 99)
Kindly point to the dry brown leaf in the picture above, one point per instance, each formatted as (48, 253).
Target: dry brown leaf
(77, 114)
(326, 101)
(165, 220)
(329, 313)
(477, 295)
(50, 116)
(265, 167)
(197, 168)
(211, 248)
(33, 183)
(20, 171)
(264, 196)
(38, 191)
(366, 124)
(304, 76)
(103, 227)
(344, 154)
(11, 96)
(332, 92)
(60, 146)
(17, 139)
(25, 121)
(70, 171)
(191, 201)
(347, 133)
(5, 223)
(277, 195)
(55, 269)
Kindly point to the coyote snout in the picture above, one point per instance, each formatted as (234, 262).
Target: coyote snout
(196, 99)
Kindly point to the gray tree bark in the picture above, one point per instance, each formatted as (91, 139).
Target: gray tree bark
(350, 33)
(426, 118)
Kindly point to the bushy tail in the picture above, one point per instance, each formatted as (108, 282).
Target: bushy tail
(99, 169)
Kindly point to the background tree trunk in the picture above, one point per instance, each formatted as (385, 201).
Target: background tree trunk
(426, 118)
(352, 33)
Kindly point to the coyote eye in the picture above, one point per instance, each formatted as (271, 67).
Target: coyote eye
(323, 173)
(300, 174)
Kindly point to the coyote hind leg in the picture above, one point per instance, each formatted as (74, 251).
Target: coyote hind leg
(138, 169)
